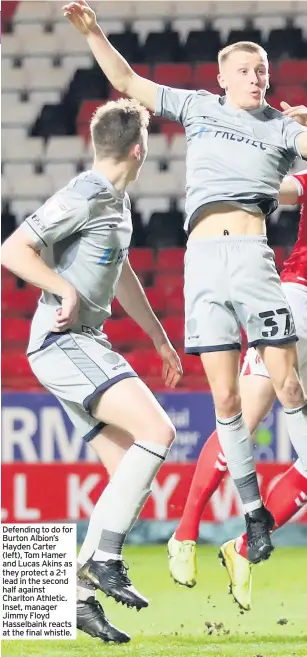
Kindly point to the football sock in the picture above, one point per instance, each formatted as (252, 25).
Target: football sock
(237, 445)
(210, 469)
(85, 590)
(296, 419)
(284, 500)
(121, 502)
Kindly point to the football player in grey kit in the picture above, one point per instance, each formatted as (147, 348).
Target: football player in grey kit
(238, 150)
(75, 248)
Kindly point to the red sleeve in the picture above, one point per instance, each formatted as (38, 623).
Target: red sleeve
(302, 179)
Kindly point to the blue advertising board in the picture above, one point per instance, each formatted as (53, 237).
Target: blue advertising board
(36, 429)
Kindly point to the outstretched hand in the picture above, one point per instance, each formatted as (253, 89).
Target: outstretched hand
(172, 368)
(299, 113)
(81, 16)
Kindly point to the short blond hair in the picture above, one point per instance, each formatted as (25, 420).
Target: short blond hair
(245, 46)
(116, 127)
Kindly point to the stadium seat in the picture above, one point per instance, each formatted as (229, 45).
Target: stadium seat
(64, 149)
(144, 26)
(162, 47)
(174, 304)
(16, 372)
(292, 71)
(279, 257)
(128, 45)
(249, 33)
(294, 94)
(165, 229)
(117, 309)
(170, 283)
(157, 147)
(146, 362)
(156, 299)
(174, 75)
(201, 46)
(124, 333)
(174, 327)
(185, 25)
(142, 260)
(285, 43)
(147, 206)
(33, 11)
(170, 260)
(20, 148)
(193, 8)
(16, 302)
(15, 331)
(114, 10)
(205, 75)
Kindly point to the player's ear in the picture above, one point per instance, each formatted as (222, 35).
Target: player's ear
(136, 151)
(221, 81)
(268, 84)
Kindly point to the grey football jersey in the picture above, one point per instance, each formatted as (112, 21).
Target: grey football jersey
(233, 156)
(83, 233)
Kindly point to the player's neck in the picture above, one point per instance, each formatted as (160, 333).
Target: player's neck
(117, 173)
(234, 106)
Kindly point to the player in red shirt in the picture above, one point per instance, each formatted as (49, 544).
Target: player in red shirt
(290, 493)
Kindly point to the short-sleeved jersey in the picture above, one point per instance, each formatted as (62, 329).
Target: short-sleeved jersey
(83, 233)
(234, 156)
(295, 268)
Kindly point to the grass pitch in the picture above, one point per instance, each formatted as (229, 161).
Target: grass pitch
(203, 621)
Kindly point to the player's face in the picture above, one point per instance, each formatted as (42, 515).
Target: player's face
(245, 78)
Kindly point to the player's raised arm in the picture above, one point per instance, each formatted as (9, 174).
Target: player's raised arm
(289, 191)
(132, 297)
(114, 66)
(296, 114)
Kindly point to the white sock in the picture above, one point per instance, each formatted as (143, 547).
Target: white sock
(236, 442)
(299, 467)
(296, 419)
(121, 502)
(84, 590)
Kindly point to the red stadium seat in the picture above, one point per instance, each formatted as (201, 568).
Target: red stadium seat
(16, 372)
(117, 309)
(279, 257)
(125, 333)
(156, 299)
(205, 76)
(144, 70)
(292, 94)
(142, 260)
(15, 331)
(174, 327)
(175, 302)
(19, 302)
(176, 75)
(291, 71)
(169, 283)
(8, 284)
(146, 362)
(170, 260)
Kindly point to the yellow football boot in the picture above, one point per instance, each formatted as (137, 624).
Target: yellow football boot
(240, 574)
(182, 561)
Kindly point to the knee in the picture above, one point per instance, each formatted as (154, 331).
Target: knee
(227, 402)
(168, 434)
(163, 433)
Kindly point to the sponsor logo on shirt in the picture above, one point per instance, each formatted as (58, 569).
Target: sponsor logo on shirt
(113, 256)
(230, 136)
